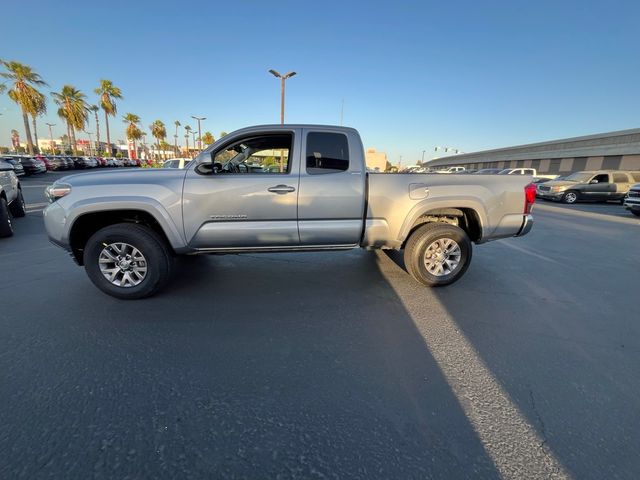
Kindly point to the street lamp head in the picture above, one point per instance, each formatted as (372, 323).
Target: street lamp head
(289, 75)
(275, 73)
(198, 118)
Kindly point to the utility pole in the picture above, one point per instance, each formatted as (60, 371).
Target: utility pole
(423, 156)
(199, 132)
(53, 150)
(90, 142)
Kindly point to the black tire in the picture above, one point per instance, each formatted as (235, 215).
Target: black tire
(6, 229)
(18, 207)
(635, 212)
(157, 254)
(416, 250)
(570, 197)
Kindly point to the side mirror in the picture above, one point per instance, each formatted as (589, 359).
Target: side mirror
(593, 182)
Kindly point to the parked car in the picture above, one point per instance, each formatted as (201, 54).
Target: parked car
(102, 162)
(11, 199)
(15, 163)
(68, 162)
(451, 170)
(125, 226)
(518, 171)
(488, 171)
(589, 186)
(56, 163)
(176, 163)
(632, 199)
(32, 165)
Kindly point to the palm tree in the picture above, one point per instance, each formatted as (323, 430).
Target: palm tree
(24, 93)
(187, 129)
(207, 138)
(133, 130)
(159, 132)
(41, 109)
(95, 109)
(108, 94)
(73, 110)
(175, 137)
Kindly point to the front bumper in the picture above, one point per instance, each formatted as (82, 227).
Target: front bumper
(549, 195)
(633, 205)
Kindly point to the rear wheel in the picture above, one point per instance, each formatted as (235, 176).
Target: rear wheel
(570, 197)
(636, 212)
(6, 229)
(18, 207)
(437, 254)
(128, 261)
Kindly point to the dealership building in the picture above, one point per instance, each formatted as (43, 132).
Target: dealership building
(604, 151)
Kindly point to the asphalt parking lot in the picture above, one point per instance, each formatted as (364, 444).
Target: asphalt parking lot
(329, 365)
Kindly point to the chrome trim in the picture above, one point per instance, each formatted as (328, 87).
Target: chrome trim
(527, 224)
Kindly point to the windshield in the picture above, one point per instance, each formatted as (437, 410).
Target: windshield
(578, 177)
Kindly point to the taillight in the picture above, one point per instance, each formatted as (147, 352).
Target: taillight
(529, 197)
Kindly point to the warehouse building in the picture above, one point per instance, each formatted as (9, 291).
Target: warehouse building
(607, 151)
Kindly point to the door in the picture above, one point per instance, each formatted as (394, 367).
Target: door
(332, 179)
(244, 195)
(599, 187)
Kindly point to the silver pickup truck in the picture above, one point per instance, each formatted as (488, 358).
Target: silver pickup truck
(278, 188)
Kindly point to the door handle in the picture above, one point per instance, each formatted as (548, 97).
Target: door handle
(281, 189)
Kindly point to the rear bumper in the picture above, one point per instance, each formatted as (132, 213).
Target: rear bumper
(527, 225)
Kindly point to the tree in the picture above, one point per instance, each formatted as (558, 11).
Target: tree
(95, 109)
(108, 94)
(133, 130)
(73, 110)
(222, 134)
(175, 137)
(207, 138)
(24, 93)
(187, 129)
(159, 132)
(40, 109)
(164, 145)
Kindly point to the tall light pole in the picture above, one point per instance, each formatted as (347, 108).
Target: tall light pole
(53, 149)
(90, 142)
(194, 138)
(282, 78)
(199, 132)
(423, 156)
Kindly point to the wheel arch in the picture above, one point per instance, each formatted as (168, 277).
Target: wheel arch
(86, 224)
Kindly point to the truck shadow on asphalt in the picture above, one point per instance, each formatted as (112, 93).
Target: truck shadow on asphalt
(246, 366)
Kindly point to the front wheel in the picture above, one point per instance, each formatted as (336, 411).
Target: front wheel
(127, 261)
(18, 207)
(570, 197)
(437, 254)
(6, 229)
(636, 212)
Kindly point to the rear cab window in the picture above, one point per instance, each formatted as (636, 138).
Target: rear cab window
(620, 178)
(327, 152)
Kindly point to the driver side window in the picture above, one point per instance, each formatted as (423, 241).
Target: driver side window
(267, 154)
(602, 178)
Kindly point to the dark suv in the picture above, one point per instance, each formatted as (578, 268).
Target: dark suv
(590, 186)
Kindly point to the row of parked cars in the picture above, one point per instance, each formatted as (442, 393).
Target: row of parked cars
(31, 165)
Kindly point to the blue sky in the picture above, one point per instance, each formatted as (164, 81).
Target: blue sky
(413, 75)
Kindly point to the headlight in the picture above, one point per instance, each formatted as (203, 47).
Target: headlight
(558, 188)
(56, 191)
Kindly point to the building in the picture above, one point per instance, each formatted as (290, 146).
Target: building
(376, 160)
(611, 151)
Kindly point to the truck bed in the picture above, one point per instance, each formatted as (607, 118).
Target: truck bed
(396, 201)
